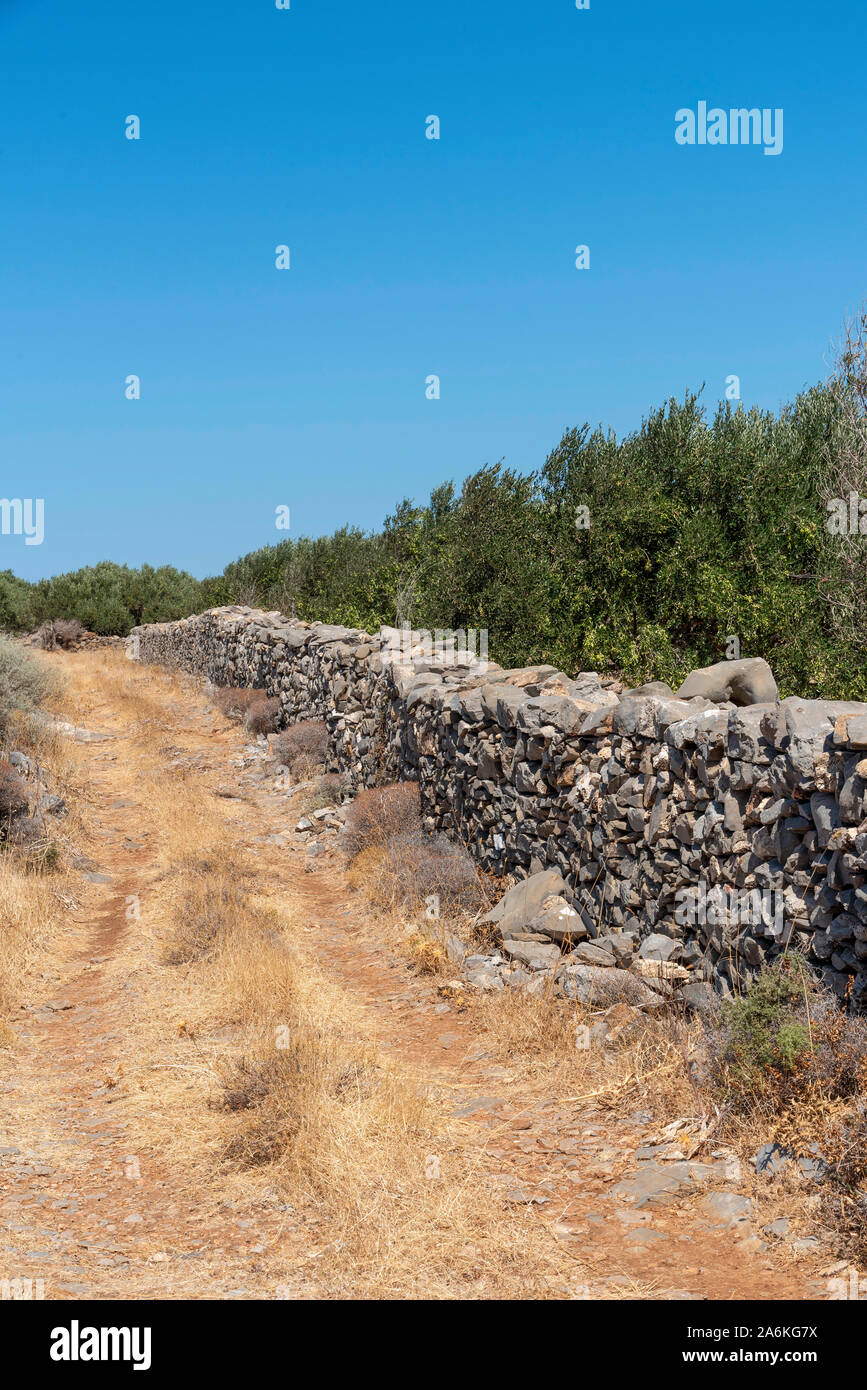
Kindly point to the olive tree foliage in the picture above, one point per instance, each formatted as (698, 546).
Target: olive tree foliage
(844, 490)
(696, 536)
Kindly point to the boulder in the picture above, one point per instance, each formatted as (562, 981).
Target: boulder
(659, 947)
(558, 921)
(516, 909)
(591, 954)
(658, 688)
(601, 987)
(746, 682)
(536, 955)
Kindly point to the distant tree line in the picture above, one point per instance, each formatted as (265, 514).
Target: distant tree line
(645, 556)
(107, 598)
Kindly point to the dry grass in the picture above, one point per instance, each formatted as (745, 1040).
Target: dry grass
(303, 1100)
(146, 696)
(31, 910)
(34, 876)
(408, 1210)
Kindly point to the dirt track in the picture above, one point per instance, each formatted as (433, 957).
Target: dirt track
(97, 1197)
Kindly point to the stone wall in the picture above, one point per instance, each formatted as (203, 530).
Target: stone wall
(726, 833)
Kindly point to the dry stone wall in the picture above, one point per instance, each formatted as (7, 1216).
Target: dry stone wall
(697, 832)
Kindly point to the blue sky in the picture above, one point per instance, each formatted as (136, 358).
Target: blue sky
(409, 257)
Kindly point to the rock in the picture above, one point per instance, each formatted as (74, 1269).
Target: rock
(659, 970)
(777, 1228)
(517, 908)
(658, 688)
(644, 1236)
(601, 987)
(856, 731)
(658, 947)
(558, 921)
(655, 1184)
(533, 954)
(621, 945)
(746, 682)
(525, 1197)
(772, 1158)
(826, 816)
(488, 981)
(726, 1208)
(698, 997)
(591, 954)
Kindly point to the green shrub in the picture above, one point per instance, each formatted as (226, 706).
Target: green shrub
(25, 681)
(763, 1034)
(699, 529)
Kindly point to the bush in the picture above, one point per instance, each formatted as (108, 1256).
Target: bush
(258, 711)
(60, 632)
(791, 1064)
(785, 1040)
(412, 866)
(25, 681)
(303, 747)
(422, 867)
(380, 815)
(762, 1031)
(109, 598)
(262, 715)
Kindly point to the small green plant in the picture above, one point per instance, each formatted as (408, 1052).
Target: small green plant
(765, 1032)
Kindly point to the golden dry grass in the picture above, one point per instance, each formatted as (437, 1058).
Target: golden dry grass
(309, 1102)
(35, 877)
(270, 1076)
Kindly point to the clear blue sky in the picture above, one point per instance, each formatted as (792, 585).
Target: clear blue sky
(409, 256)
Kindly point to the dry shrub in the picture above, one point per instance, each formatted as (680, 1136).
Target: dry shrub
(27, 683)
(60, 632)
(380, 815)
(234, 701)
(428, 956)
(285, 1088)
(545, 1036)
(411, 865)
(319, 794)
(212, 897)
(421, 866)
(303, 747)
(262, 715)
(13, 791)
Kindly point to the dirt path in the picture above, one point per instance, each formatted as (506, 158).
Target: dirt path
(95, 1201)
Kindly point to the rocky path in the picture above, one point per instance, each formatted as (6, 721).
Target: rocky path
(96, 1203)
